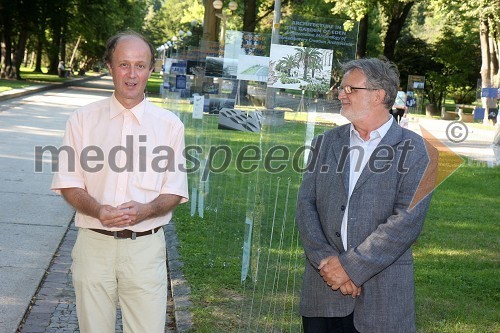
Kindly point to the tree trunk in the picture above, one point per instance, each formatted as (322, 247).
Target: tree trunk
(362, 37)
(396, 24)
(486, 67)
(54, 50)
(21, 46)
(7, 71)
(39, 50)
(62, 47)
(211, 23)
(249, 15)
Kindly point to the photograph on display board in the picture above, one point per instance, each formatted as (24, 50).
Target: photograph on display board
(253, 68)
(418, 85)
(180, 82)
(221, 67)
(240, 120)
(210, 87)
(230, 68)
(178, 67)
(228, 86)
(167, 65)
(300, 68)
(214, 67)
(195, 67)
(215, 105)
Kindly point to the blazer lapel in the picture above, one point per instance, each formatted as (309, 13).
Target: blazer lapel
(340, 146)
(392, 138)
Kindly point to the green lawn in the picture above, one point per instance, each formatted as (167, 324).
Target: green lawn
(456, 255)
(30, 78)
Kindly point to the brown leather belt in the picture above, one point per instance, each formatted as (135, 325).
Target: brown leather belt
(126, 233)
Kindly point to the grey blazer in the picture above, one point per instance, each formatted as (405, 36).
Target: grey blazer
(381, 227)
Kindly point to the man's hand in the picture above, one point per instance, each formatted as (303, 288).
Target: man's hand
(349, 288)
(332, 272)
(125, 215)
(336, 277)
(136, 212)
(113, 217)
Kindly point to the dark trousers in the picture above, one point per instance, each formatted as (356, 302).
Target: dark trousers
(329, 324)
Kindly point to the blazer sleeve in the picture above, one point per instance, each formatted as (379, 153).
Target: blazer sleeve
(391, 239)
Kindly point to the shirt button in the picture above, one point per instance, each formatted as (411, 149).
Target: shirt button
(342, 208)
(337, 234)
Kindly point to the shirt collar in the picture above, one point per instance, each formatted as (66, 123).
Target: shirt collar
(377, 133)
(116, 108)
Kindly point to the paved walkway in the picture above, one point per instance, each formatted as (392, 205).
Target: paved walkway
(50, 305)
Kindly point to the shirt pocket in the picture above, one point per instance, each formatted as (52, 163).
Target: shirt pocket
(149, 181)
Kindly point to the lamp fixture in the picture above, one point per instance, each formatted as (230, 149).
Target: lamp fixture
(233, 5)
(217, 4)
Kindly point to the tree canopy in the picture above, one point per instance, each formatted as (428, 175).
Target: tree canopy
(452, 43)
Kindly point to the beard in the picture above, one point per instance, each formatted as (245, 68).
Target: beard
(352, 115)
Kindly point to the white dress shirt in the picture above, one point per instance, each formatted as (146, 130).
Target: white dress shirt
(358, 159)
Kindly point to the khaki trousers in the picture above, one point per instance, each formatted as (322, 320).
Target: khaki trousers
(107, 271)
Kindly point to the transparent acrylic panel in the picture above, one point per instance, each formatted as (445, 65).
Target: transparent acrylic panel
(239, 240)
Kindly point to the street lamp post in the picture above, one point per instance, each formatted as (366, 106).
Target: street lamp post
(218, 4)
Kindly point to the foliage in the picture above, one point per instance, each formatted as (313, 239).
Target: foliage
(165, 22)
(461, 57)
(449, 56)
(419, 58)
(486, 14)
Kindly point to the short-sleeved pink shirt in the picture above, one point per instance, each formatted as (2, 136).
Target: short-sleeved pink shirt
(118, 155)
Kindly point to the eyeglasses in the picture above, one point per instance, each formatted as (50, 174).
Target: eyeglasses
(348, 89)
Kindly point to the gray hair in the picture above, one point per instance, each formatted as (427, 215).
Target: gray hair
(380, 74)
(113, 41)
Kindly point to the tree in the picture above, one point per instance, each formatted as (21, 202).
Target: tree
(420, 58)
(486, 13)
(394, 14)
(286, 64)
(307, 56)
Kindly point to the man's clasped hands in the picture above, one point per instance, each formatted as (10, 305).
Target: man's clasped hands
(336, 277)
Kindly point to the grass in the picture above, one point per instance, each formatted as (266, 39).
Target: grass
(154, 83)
(457, 255)
(30, 78)
(235, 213)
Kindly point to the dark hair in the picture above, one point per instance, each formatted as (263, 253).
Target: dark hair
(113, 41)
(380, 74)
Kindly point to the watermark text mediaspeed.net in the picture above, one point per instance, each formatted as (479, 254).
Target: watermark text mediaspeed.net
(213, 159)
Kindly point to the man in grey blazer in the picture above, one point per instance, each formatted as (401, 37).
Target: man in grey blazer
(361, 205)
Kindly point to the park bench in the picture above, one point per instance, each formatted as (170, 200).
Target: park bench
(466, 117)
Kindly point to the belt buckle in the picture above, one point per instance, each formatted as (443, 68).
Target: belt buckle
(116, 235)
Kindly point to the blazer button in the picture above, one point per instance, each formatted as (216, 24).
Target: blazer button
(342, 208)
(337, 234)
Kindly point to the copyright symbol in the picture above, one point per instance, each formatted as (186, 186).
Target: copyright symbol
(457, 131)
